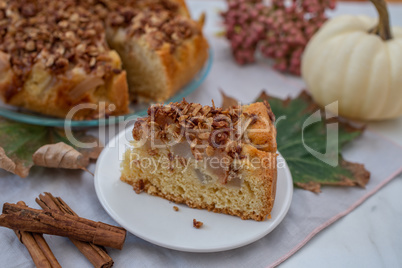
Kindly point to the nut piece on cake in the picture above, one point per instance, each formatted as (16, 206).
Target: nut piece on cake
(206, 157)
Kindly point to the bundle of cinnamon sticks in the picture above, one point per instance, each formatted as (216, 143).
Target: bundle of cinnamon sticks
(57, 218)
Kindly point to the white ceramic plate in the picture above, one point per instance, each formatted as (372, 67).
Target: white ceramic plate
(153, 218)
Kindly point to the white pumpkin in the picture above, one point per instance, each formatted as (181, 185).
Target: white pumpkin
(344, 62)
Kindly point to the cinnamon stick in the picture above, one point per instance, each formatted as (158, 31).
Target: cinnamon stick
(97, 255)
(37, 247)
(18, 217)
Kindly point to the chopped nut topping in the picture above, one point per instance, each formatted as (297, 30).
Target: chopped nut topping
(203, 135)
(71, 32)
(197, 224)
(60, 65)
(28, 10)
(201, 125)
(139, 186)
(152, 152)
(208, 131)
(175, 208)
(158, 23)
(209, 150)
(55, 32)
(270, 113)
(30, 46)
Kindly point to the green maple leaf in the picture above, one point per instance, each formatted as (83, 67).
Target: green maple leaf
(308, 171)
(19, 141)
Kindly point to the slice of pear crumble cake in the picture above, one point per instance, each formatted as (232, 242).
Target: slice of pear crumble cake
(223, 160)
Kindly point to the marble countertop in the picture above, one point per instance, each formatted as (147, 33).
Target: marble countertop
(370, 236)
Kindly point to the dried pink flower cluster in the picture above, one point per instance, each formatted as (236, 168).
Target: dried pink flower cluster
(279, 31)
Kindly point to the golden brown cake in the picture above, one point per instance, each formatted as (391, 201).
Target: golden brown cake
(206, 157)
(55, 55)
(162, 49)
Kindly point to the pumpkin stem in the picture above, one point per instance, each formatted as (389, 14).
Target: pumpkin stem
(382, 29)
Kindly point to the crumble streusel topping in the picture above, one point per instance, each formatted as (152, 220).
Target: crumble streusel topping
(210, 131)
(71, 32)
(158, 23)
(56, 32)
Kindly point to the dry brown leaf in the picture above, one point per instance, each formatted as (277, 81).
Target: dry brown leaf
(60, 155)
(7, 164)
(361, 174)
(312, 186)
(227, 101)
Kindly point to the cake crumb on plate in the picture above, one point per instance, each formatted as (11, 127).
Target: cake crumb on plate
(197, 224)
